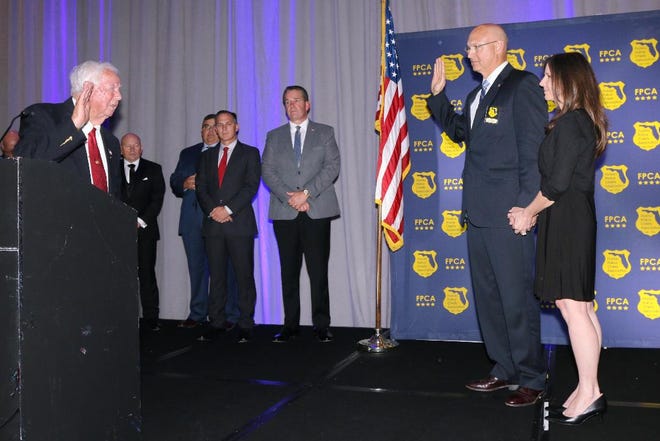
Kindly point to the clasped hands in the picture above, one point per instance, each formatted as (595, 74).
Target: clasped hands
(298, 200)
(521, 220)
(220, 214)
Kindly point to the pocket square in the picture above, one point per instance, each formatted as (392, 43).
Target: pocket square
(145, 178)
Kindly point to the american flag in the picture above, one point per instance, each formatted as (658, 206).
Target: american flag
(393, 156)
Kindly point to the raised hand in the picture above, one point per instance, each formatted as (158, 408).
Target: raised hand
(439, 80)
(80, 114)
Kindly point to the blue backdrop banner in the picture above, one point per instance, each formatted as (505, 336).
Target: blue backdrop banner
(431, 292)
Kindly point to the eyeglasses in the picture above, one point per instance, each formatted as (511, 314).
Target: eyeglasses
(208, 127)
(477, 46)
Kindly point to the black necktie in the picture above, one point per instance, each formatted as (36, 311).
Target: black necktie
(131, 173)
(131, 179)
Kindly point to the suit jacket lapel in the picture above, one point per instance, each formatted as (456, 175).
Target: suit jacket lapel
(235, 156)
(480, 114)
(287, 144)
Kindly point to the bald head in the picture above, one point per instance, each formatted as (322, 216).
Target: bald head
(486, 48)
(8, 143)
(131, 147)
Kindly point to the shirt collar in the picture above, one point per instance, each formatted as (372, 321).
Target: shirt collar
(496, 73)
(303, 125)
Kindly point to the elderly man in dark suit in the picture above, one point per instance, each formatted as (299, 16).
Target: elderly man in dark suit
(143, 188)
(502, 126)
(300, 165)
(71, 134)
(227, 180)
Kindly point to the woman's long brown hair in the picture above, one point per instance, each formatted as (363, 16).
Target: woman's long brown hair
(573, 80)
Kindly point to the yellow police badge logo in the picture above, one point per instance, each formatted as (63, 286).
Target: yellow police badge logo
(644, 52)
(616, 263)
(516, 57)
(612, 94)
(648, 220)
(647, 135)
(419, 108)
(425, 264)
(424, 184)
(455, 300)
(454, 67)
(614, 179)
(450, 148)
(649, 304)
(491, 115)
(451, 224)
(580, 48)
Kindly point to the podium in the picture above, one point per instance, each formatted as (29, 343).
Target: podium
(69, 351)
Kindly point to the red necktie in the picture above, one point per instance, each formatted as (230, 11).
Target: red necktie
(222, 166)
(99, 178)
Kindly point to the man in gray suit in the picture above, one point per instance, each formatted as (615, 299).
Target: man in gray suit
(300, 165)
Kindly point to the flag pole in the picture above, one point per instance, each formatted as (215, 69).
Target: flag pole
(378, 342)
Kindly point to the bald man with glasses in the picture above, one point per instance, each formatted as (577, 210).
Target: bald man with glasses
(502, 127)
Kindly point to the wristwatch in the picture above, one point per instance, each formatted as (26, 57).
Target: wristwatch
(306, 192)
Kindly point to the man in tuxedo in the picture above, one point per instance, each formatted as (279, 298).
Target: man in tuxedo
(502, 126)
(8, 144)
(182, 182)
(300, 165)
(227, 181)
(71, 133)
(143, 188)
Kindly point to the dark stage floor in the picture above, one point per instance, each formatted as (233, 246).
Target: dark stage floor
(310, 391)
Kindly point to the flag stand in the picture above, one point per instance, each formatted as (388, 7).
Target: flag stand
(378, 342)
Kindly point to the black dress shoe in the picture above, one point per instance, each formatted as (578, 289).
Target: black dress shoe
(285, 335)
(489, 384)
(228, 326)
(211, 334)
(188, 323)
(524, 396)
(598, 407)
(554, 409)
(244, 335)
(324, 335)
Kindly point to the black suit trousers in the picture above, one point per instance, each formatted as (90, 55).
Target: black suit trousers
(240, 249)
(501, 267)
(147, 241)
(304, 236)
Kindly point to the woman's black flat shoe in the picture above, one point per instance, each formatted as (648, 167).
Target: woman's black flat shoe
(598, 407)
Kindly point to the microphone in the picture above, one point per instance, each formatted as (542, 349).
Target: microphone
(11, 123)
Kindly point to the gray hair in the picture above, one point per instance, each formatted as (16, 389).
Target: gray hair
(88, 71)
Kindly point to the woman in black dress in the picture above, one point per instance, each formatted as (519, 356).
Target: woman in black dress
(566, 241)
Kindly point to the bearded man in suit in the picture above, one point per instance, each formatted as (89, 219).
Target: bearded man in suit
(300, 165)
(71, 133)
(143, 188)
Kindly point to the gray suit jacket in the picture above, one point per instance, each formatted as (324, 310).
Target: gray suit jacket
(319, 168)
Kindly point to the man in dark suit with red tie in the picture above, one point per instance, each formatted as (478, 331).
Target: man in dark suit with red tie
(71, 134)
(143, 188)
(502, 126)
(227, 181)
